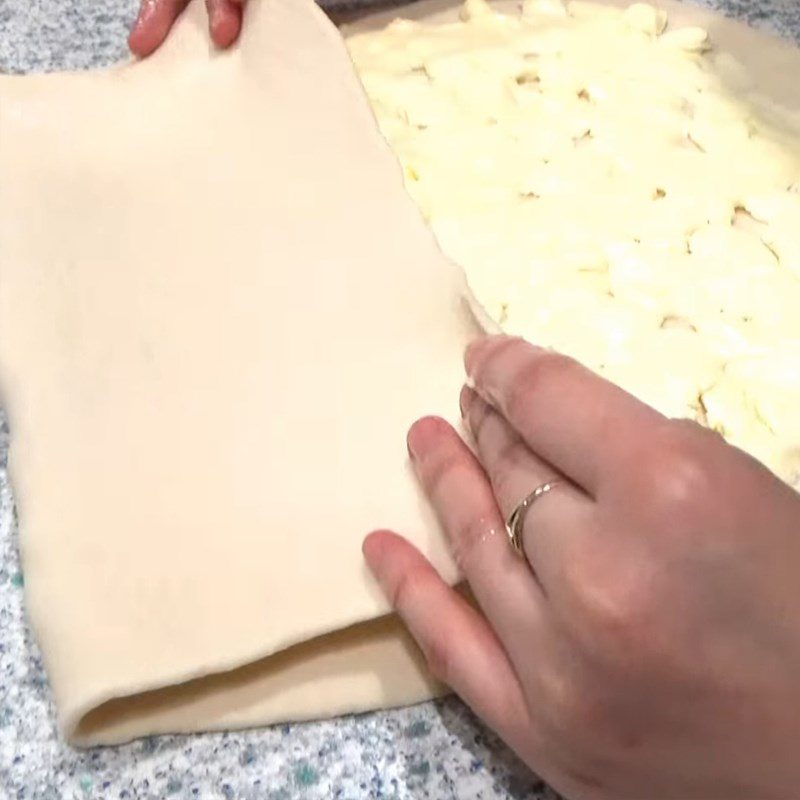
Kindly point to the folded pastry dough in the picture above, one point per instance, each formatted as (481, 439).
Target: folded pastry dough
(219, 313)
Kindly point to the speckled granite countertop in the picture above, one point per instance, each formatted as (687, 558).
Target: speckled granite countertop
(434, 750)
(38, 35)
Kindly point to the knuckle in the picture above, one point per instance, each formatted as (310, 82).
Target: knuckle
(614, 616)
(466, 546)
(562, 702)
(436, 469)
(677, 472)
(495, 354)
(439, 657)
(587, 721)
(505, 471)
(612, 605)
(513, 454)
(546, 367)
(480, 413)
(407, 588)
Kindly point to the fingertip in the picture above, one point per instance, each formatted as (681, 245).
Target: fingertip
(475, 351)
(225, 32)
(142, 42)
(371, 547)
(134, 44)
(466, 399)
(225, 23)
(152, 25)
(479, 349)
(470, 353)
(381, 547)
(424, 432)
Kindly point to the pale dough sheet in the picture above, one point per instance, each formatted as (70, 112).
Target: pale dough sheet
(219, 314)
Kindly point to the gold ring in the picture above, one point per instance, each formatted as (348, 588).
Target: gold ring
(516, 519)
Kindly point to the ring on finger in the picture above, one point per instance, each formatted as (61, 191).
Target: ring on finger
(515, 521)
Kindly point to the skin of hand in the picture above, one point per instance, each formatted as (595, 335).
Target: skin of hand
(156, 17)
(648, 644)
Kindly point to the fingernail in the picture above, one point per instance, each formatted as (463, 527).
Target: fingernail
(146, 10)
(410, 445)
(217, 17)
(377, 550)
(470, 354)
(465, 400)
(370, 547)
(423, 434)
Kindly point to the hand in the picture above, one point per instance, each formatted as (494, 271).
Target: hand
(648, 644)
(156, 17)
